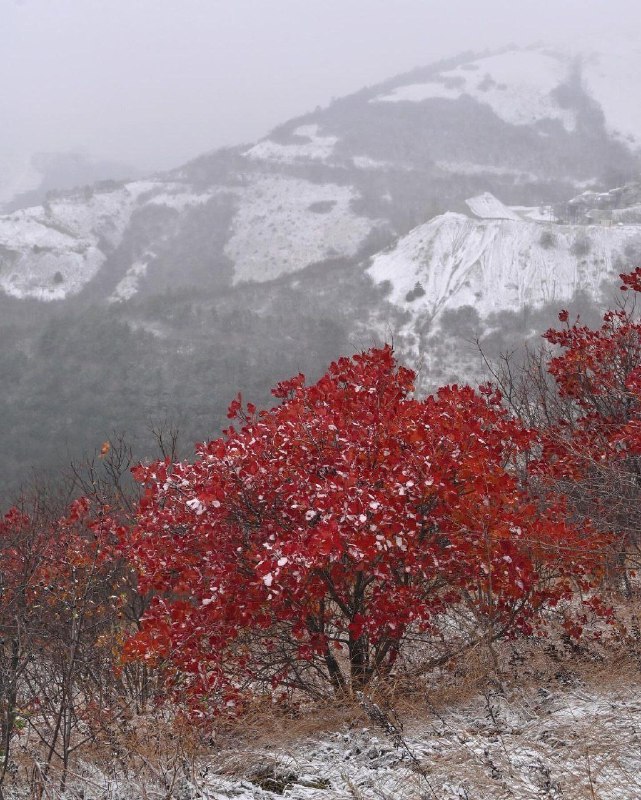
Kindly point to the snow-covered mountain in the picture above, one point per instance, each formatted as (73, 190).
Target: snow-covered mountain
(530, 125)
(483, 186)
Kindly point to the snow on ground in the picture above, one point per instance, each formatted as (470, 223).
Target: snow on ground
(365, 162)
(496, 265)
(284, 224)
(486, 206)
(516, 84)
(127, 287)
(180, 200)
(576, 743)
(312, 146)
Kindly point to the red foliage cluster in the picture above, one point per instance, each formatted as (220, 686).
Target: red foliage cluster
(322, 533)
(50, 565)
(593, 441)
(313, 541)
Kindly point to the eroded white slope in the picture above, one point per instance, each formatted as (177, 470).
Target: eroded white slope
(495, 265)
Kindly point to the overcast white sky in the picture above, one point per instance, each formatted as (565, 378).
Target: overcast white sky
(156, 82)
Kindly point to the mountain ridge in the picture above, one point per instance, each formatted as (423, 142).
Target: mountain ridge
(163, 297)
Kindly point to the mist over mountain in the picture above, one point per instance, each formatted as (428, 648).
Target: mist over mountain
(25, 182)
(465, 200)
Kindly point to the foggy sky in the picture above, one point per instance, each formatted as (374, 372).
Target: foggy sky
(156, 82)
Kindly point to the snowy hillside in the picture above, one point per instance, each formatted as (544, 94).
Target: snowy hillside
(525, 86)
(472, 186)
(518, 86)
(284, 224)
(512, 122)
(49, 253)
(496, 265)
(280, 226)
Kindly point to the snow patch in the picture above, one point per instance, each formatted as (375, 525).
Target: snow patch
(486, 206)
(470, 168)
(277, 231)
(128, 286)
(365, 162)
(419, 92)
(316, 147)
(517, 85)
(50, 252)
(179, 201)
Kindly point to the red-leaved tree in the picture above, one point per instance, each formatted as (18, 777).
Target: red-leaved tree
(592, 435)
(313, 541)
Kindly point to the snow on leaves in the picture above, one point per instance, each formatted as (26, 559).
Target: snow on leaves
(306, 545)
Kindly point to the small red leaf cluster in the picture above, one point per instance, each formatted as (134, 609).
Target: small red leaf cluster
(54, 565)
(311, 540)
(598, 375)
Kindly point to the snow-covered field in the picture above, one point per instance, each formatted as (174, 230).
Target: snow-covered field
(570, 740)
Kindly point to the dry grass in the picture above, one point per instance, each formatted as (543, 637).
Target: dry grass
(501, 723)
